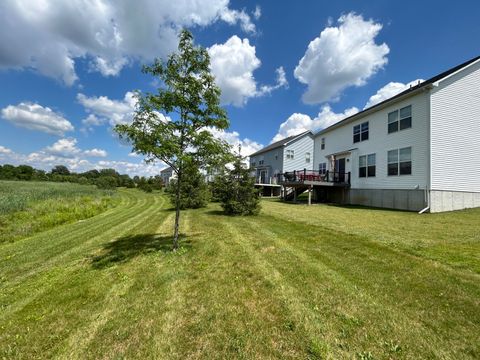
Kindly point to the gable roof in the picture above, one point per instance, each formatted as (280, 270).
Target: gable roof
(412, 90)
(280, 143)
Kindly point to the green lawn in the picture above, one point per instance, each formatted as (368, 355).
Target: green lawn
(295, 282)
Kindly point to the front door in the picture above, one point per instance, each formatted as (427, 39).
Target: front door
(339, 170)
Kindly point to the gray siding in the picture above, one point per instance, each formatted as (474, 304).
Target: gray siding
(272, 162)
(300, 147)
(455, 132)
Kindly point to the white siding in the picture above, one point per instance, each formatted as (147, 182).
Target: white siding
(300, 147)
(380, 142)
(455, 132)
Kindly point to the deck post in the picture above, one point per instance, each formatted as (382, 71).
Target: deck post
(310, 195)
(295, 194)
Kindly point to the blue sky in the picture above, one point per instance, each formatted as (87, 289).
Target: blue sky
(67, 69)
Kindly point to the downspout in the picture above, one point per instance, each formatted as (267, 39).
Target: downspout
(427, 197)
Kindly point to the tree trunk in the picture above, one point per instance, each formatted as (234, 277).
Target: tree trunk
(177, 214)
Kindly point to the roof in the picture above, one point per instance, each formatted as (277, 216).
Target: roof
(168, 169)
(280, 143)
(412, 90)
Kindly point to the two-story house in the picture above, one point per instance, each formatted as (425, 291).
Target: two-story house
(419, 150)
(167, 174)
(289, 154)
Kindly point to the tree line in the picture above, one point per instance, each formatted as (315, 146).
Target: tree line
(103, 178)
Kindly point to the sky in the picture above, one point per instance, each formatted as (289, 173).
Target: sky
(68, 69)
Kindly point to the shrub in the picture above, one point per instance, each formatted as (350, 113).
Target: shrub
(236, 191)
(106, 182)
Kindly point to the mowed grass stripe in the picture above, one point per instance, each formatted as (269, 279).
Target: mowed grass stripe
(86, 287)
(39, 251)
(366, 270)
(43, 281)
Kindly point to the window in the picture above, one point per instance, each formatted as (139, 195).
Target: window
(360, 132)
(276, 156)
(322, 168)
(400, 161)
(260, 162)
(400, 119)
(307, 157)
(254, 163)
(290, 154)
(367, 165)
(322, 146)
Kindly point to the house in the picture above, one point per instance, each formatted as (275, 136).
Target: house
(419, 150)
(167, 174)
(294, 152)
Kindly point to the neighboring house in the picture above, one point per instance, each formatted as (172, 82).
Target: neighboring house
(294, 152)
(167, 175)
(419, 150)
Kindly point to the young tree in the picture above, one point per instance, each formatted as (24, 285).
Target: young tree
(194, 193)
(236, 190)
(189, 96)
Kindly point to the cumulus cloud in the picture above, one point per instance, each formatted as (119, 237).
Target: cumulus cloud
(233, 138)
(298, 123)
(5, 151)
(233, 64)
(102, 109)
(390, 90)
(36, 117)
(342, 56)
(95, 153)
(48, 36)
(63, 148)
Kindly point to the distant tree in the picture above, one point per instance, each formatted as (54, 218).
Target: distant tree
(189, 91)
(236, 190)
(60, 170)
(25, 172)
(39, 175)
(194, 192)
(106, 182)
(156, 182)
(8, 172)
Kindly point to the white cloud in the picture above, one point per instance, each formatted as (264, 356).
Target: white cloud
(95, 153)
(4, 150)
(390, 90)
(101, 109)
(63, 148)
(36, 117)
(340, 57)
(48, 36)
(257, 13)
(233, 138)
(298, 123)
(233, 64)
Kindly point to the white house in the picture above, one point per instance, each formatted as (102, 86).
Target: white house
(167, 174)
(294, 152)
(419, 150)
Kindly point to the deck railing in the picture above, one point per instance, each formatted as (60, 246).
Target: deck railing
(301, 176)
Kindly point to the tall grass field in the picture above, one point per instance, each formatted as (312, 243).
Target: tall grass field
(29, 207)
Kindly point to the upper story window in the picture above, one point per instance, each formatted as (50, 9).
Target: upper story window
(276, 156)
(307, 157)
(290, 154)
(400, 161)
(322, 168)
(367, 165)
(360, 132)
(260, 162)
(322, 144)
(400, 119)
(254, 163)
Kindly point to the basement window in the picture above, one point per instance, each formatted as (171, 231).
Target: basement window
(360, 132)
